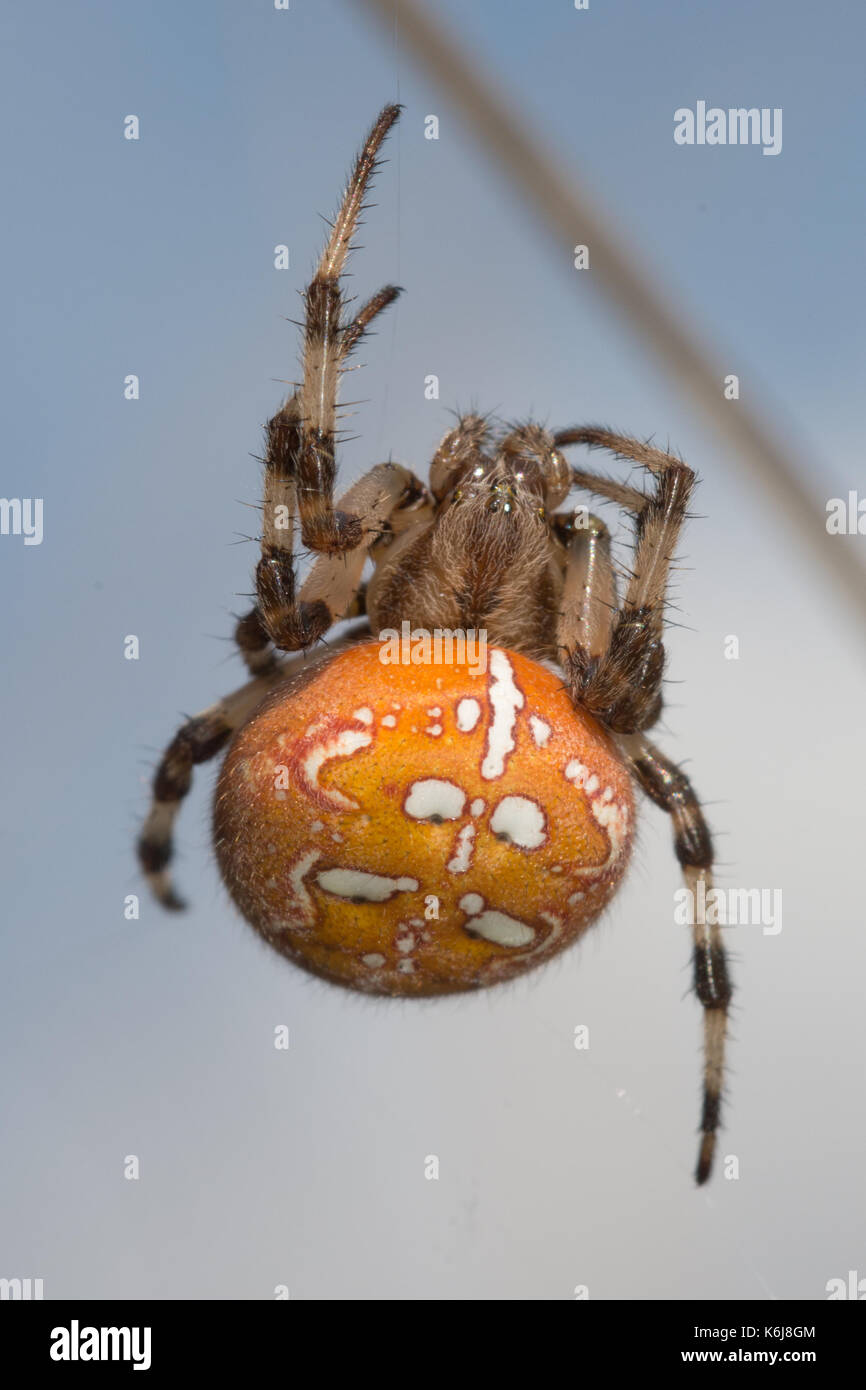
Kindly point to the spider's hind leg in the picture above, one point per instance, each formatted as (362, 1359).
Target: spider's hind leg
(623, 689)
(666, 785)
(197, 741)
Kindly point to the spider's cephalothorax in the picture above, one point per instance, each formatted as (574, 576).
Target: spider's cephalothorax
(443, 799)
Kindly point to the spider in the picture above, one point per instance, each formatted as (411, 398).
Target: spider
(431, 825)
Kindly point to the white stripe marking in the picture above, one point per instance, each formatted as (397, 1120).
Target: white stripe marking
(506, 700)
(348, 741)
(462, 851)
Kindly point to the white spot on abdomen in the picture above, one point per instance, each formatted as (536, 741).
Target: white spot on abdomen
(468, 715)
(436, 799)
(540, 730)
(356, 883)
(576, 772)
(520, 820)
(501, 929)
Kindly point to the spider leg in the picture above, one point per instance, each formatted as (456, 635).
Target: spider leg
(623, 689)
(197, 741)
(357, 329)
(669, 788)
(327, 340)
(384, 501)
(300, 463)
(334, 581)
(254, 643)
(610, 488)
(589, 601)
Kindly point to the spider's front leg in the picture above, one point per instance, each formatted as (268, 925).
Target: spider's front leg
(300, 460)
(670, 789)
(327, 343)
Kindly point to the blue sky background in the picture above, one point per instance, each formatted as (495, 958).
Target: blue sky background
(155, 1038)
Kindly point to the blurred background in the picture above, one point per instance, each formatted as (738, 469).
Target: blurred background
(155, 1037)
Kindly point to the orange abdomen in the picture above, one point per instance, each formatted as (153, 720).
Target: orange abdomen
(422, 829)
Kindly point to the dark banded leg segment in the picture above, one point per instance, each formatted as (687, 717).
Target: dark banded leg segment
(197, 741)
(254, 644)
(623, 690)
(387, 497)
(670, 789)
